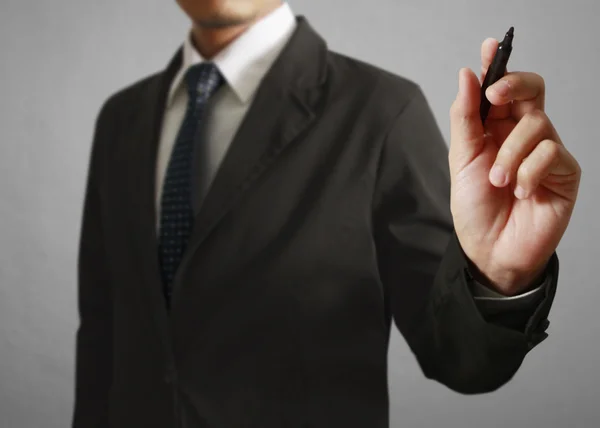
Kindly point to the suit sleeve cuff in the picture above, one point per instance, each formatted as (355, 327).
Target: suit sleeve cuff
(529, 311)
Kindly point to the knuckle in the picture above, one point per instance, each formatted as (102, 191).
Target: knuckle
(537, 117)
(507, 153)
(550, 148)
(535, 82)
(525, 174)
(541, 83)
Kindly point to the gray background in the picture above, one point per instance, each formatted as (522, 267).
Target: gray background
(61, 59)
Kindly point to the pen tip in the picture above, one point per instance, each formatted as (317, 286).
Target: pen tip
(510, 31)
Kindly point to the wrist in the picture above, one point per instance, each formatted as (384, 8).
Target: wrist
(508, 282)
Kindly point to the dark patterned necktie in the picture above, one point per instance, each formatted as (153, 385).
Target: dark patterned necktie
(176, 219)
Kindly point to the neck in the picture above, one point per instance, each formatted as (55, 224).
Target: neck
(210, 40)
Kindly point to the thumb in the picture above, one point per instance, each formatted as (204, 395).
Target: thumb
(466, 129)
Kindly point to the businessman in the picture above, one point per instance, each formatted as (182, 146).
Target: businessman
(262, 211)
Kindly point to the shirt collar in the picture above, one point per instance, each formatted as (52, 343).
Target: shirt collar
(245, 61)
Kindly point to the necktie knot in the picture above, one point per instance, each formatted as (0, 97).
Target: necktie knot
(202, 81)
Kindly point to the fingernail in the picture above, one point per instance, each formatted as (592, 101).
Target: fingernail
(520, 192)
(498, 176)
(501, 88)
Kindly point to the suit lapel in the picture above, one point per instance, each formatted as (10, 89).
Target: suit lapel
(283, 107)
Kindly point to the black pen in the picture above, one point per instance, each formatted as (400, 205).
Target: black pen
(496, 71)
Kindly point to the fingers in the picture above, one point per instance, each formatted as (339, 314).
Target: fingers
(466, 128)
(533, 151)
(520, 143)
(526, 91)
(552, 166)
(517, 93)
(537, 166)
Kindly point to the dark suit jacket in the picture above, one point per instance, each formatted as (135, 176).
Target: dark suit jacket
(328, 219)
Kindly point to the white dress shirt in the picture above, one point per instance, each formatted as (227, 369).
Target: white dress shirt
(243, 64)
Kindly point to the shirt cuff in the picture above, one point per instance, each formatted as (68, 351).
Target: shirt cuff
(491, 302)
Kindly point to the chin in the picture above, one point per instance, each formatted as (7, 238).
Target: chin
(219, 13)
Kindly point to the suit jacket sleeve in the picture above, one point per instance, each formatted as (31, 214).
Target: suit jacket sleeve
(94, 335)
(425, 272)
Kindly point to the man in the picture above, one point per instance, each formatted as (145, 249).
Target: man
(259, 212)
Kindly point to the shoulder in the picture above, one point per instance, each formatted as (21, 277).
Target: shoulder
(385, 89)
(117, 103)
(116, 110)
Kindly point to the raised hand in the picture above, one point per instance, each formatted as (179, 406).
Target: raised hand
(514, 183)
